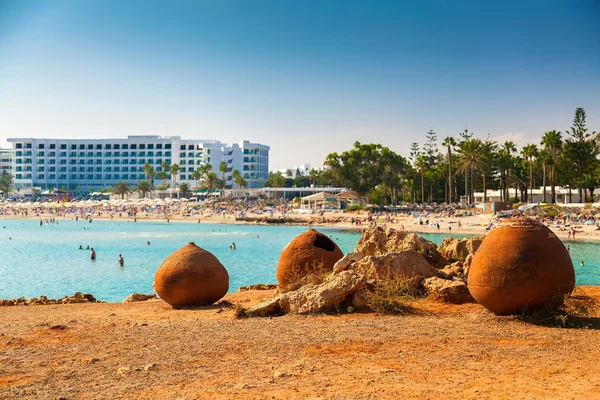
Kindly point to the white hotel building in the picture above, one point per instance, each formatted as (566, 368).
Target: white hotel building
(98, 163)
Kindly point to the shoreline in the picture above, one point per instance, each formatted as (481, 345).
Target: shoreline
(471, 225)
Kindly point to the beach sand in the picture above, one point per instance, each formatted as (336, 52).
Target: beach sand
(150, 351)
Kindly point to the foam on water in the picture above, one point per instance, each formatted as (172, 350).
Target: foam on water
(45, 260)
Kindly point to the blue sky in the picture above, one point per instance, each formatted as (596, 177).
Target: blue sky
(306, 77)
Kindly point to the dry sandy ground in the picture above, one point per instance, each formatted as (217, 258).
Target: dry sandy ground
(150, 351)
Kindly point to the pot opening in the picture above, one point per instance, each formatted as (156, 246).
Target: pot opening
(324, 243)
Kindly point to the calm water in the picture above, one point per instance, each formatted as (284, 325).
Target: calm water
(46, 260)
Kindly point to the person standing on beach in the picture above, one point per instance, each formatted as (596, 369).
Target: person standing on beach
(93, 255)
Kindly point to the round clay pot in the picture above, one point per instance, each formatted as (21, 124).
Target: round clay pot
(520, 266)
(308, 252)
(191, 277)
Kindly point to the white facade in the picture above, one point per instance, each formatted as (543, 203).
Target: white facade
(6, 159)
(98, 163)
(303, 169)
(562, 195)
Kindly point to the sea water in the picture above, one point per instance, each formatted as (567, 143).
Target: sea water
(46, 260)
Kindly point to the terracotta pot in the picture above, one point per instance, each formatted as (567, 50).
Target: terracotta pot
(305, 253)
(520, 266)
(191, 277)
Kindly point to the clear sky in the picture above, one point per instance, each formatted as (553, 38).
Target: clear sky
(305, 77)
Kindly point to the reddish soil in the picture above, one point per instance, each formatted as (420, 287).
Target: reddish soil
(150, 351)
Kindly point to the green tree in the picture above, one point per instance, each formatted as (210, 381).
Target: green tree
(529, 152)
(223, 170)
(470, 159)
(553, 143)
(449, 142)
(545, 159)
(121, 188)
(143, 187)
(174, 171)
(211, 181)
(5, 182)
(184, 190)
(197, 175)
(150, 173)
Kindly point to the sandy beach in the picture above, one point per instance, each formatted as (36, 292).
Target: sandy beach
(149, 351)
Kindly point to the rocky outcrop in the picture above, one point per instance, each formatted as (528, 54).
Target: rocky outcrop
(135, 297)
(402, 265)
(378, 240)
(346, 261)
(311, 298)
(260, 286)
(78, 297)
(450, 291)
(458, 249)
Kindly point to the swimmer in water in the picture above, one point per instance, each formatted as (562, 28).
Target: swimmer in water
(121, 262)
(147, 243)
(80, 247)
(93, 255)
(582, 264)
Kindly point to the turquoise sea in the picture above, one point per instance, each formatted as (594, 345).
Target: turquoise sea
(46, 260)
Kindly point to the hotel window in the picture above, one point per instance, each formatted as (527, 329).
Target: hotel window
(190, 162)
(28, 145)
(125, 176)
(181, 155)
(190, 154)
(98, 154)
(52, 154)
(73, 147)
(72, 169)
(63, 146)
(98, 169)
(150, 154)
(52, 169)
(133, 146)
(72, 154)
(82, 177)
(82, 147)
(52, 177)
(81, 154)
(159, 146)
(81, 169)
(125, 147)
(183, 178)
(125, 154)
(40, 154)
(116, 147)
(19, 145)
(150, 146)
(98, 147)
(116, 154)
(159, 154)
(190, 169)
(98, 177)
(142, 146)
(142, 154)
(167, 154)
(90, 177)
(191, 147)
(90, 147)
(134, 154)
(63, 153)
(40, 145)
(107, 147)
(168, 146)
(73, 176)
(90, 154)
(63, 169)
(90, 169)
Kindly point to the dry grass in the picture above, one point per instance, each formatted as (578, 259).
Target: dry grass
(576, 310)
(298, 277)
(393, 296)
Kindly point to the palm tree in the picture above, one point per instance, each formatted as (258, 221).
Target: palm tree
(143, 187)
(470, 159)
(174, 172)
(528, 153)
(197, 175)
(237, 176)
(222, 170)
(184, 190)
(545, 159)
(277, 181)
(552, 142)
(205, 169)
(211, 181)
(449, 142)
(313, 175)
(150, 173)
(121, 188)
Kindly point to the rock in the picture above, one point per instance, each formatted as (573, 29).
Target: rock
(467, 265)
(191, 276)
(451, 271)
(520, 266)
(359, 299)
(378, 241)
(150, 367)
(260, 286)
(350, 309)
(458, 249)
(265, 308)
(450, 291)
(405, 264)
(123, 370)
(346, 261)
(311, 298)
(307, 253)
(135, 297)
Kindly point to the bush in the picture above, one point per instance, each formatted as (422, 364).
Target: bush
(574, 311)
(392, 296)
(354, 207)
(299, 277)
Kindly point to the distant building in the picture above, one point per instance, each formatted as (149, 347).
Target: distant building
(6, 158)
(302, 170)
(562, 195)
(98, 163)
